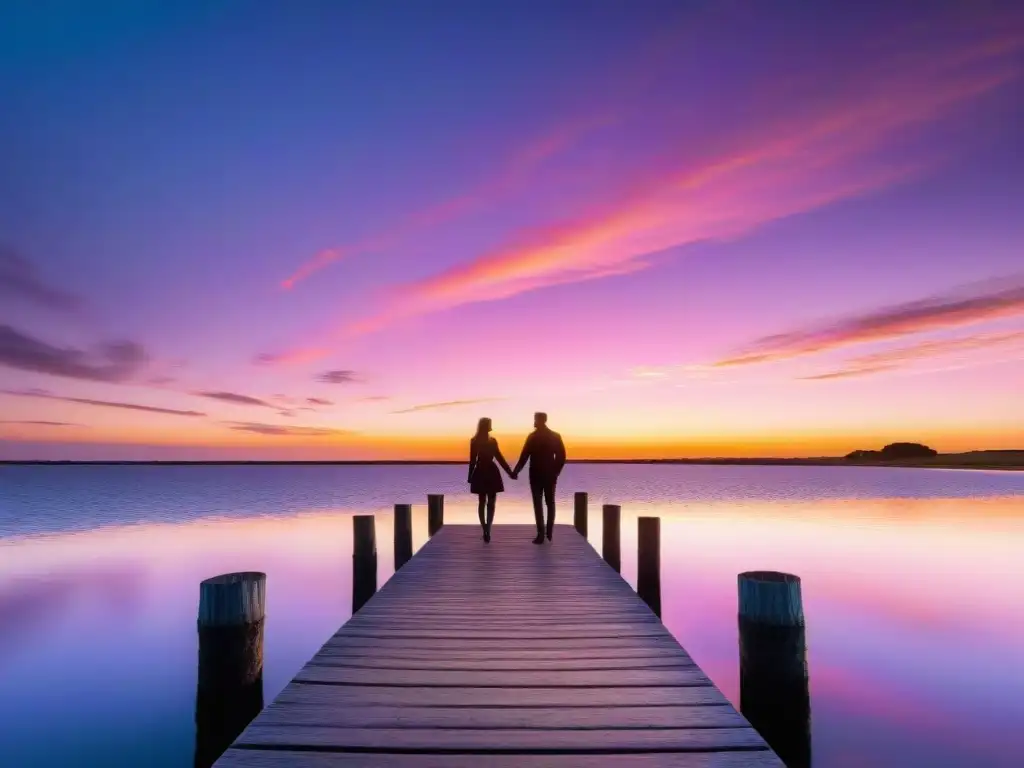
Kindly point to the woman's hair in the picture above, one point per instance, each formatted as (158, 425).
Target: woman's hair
(482, 428)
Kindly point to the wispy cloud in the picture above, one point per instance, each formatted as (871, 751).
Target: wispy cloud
(43, 394)
(292, 357)
(446, 404)
(279, 430)
(645, 372)
(20, 280)
(38, 423)
(374, 399)
(833, 145)
(849, 373)
(970, 304)
(111, 362)
(322, 259)
(514, 173)
(338, 377)
(902, 357)
(318, 401)
(236, 399)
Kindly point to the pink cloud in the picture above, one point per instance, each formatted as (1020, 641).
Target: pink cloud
(797, 160)
(972, 304)
(515, 173)
(895, 359)
(318, 262)
(807, 146)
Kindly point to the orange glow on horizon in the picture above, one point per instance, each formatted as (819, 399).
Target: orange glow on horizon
(452, 447)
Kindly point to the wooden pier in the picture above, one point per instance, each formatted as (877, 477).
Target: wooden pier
(498, 655)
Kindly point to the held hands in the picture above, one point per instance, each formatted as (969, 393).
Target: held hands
(514, 475)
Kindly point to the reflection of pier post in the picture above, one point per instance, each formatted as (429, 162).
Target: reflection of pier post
(364, 560)
(229, 691)
(774, 694)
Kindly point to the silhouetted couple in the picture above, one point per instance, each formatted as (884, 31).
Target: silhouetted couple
(545, 452)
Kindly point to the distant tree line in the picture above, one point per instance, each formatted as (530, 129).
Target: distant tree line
(894, 451)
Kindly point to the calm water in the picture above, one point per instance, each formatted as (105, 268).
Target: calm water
(913, 588)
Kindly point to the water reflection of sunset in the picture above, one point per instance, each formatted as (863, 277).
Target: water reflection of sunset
(912, 605)
(919, 561)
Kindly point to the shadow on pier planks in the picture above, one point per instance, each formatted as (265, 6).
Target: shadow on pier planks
(507, 652)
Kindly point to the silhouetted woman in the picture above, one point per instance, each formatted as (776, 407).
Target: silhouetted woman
(484, 477)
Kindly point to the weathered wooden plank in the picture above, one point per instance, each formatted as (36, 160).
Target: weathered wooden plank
(468, 635)
(525, 623)
(515, 597)
(625, 643)
(334, 696)
(578, 608)
(315, 714)
(645, 678)
(251, 758)
(481, 653)
(468, 740)
(398, 617)
(530, 621)
(548, 586)
(499, 665)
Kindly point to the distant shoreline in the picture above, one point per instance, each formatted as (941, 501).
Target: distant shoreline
(1002, 460)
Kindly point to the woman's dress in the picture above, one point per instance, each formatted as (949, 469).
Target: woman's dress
(484, 476)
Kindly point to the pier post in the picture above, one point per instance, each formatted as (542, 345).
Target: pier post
(612, 514)
(579, 513)
(403, 534)
(364, 560)
(435, 512)
(774, 694)
(229, 688)
(648, 562)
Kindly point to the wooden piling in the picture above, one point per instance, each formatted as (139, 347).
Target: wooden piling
(364, 560)
(435, 512)
(579, 513)
(610, 549)
(403, 534)
(774, 692)
(648, 562)
(229, 688)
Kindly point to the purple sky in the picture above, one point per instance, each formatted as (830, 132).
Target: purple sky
(680, 228)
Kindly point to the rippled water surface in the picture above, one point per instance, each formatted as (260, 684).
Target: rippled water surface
(913, 588)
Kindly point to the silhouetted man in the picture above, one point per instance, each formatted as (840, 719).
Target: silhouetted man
(546, 453)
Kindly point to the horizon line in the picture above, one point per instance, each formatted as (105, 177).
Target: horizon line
(755, 460)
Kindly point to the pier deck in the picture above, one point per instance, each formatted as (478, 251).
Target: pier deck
(502, 654)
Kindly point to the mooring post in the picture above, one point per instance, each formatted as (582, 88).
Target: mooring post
(774, 694)
(229, 689)
(612, 513)
(579, 513)
(403, 534)
(648, 562)
(435, 512)
(364, 560)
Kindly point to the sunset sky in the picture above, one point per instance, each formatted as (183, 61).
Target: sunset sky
(348, 230)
